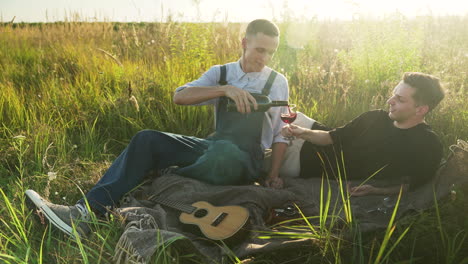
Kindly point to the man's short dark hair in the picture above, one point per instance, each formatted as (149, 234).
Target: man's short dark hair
(428, 92)
(263, 26)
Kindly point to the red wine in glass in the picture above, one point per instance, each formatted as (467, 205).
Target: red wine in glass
(288, 118)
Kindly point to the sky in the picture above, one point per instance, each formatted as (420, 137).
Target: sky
(218, 10)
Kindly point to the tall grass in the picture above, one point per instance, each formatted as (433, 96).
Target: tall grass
(65, 108)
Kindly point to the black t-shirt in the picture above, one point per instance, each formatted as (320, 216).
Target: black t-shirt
(372, 145)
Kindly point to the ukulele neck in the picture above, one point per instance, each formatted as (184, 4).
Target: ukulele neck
(174, 204)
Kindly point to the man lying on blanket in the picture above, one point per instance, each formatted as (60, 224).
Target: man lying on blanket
(395, 146)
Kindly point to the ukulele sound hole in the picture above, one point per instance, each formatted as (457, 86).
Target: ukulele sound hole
(200, 213)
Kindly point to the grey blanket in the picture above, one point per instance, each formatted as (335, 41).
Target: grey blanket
(151, 227)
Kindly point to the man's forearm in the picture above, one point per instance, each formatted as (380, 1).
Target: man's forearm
(317, 137)
(368, 189)
(196, 95)
(391, 189)
(277, 154)
(273, 180)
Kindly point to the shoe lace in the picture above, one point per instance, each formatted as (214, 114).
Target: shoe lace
(83, 211)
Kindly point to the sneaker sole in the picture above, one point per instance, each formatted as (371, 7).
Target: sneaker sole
(37, 200)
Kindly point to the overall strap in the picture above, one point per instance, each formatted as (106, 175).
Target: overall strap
(222, 81)
(222, 77)
(269, 83)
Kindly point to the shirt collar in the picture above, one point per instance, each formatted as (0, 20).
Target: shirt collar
(241, 73)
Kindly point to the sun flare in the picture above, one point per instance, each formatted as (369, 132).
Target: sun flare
(216, 10)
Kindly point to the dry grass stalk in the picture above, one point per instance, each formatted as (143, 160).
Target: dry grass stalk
(110, 55)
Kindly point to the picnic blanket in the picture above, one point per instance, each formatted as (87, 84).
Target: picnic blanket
(151, 227)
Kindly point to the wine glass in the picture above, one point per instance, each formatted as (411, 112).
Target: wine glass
(288, 118)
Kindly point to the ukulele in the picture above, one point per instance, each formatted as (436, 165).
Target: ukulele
(215, 222)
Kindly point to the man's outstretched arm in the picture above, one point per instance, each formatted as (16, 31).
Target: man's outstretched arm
(316, 137)
(368, 189)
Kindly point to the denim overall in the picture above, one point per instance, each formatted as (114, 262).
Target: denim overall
(235, 155)
(232, 156)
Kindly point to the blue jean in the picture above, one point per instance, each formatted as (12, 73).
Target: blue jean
(148, 150)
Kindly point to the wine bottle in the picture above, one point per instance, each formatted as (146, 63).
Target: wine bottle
(263, 102)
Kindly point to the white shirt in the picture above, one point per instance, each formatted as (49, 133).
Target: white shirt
(252, 82)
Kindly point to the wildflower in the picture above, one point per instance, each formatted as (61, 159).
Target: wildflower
(64, 198)
(453, 195)
(56, 193)
(52, 175)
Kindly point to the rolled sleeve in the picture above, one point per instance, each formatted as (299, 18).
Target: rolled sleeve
(209, 78)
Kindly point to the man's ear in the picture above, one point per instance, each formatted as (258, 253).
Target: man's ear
(244, 44)
(422, 110)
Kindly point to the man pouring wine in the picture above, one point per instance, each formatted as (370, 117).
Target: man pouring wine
(232, 155)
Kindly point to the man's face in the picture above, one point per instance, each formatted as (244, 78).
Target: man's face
(258, 51)
(402, 105)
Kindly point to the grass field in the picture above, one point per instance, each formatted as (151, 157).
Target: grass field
(66, 112)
